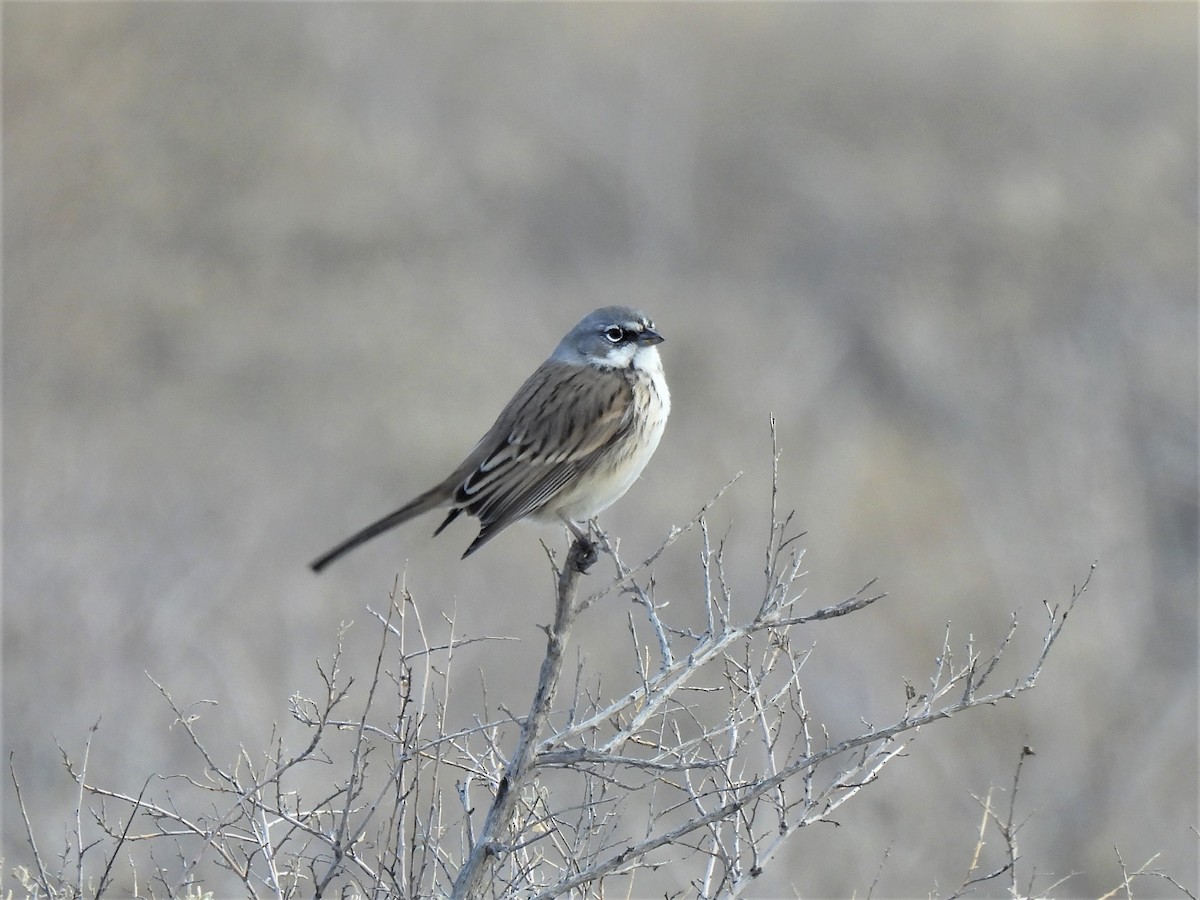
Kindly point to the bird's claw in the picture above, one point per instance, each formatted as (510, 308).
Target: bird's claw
(583, 555)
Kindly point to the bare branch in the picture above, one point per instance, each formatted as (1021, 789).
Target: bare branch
(496, 826)
(705, 746)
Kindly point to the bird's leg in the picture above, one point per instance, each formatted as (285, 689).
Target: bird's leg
(583, 553)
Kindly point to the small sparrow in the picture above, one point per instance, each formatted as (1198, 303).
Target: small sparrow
(568, 445)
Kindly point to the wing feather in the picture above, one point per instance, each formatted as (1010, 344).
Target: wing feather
(561, 419)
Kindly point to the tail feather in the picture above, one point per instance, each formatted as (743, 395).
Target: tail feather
(427, 501)
(485, 534)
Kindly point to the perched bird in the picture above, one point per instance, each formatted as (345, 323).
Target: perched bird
(569, 444)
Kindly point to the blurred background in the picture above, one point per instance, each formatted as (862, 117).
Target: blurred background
(271, 269)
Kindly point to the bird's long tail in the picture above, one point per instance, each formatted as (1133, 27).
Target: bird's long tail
(427, 501)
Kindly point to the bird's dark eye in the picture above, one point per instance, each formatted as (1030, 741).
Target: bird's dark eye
(614, 333)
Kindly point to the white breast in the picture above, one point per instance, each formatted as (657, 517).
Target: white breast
(613, 476)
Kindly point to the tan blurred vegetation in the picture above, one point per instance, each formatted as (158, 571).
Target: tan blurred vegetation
(270, 269)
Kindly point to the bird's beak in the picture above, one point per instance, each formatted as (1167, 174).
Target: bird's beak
(649, 337)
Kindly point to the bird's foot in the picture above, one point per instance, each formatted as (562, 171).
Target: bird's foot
(583, 555)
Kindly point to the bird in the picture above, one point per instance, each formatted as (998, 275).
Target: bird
(572, 440)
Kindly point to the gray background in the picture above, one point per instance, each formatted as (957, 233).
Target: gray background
(271, 269)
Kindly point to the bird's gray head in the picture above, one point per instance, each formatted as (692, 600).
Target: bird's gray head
(614, 337)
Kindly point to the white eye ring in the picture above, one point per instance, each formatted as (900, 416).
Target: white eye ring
(614, 334)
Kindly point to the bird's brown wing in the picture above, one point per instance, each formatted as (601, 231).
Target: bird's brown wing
(557, 424)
